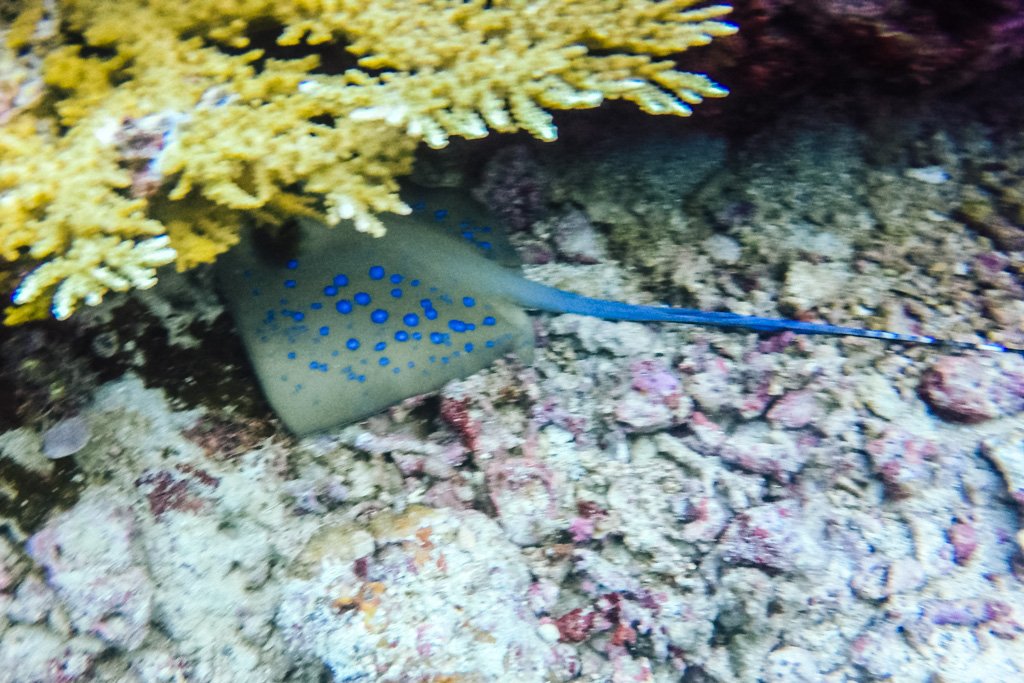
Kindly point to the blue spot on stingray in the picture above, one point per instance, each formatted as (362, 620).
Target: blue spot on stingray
(489, 320)
(456, 326)
(485, 245)
(411, 364)
(379, 316)
(384, 361)
(380, 346)
(340, 280)
(330, 290)
(468, 347)
(289, 283)
(324, 331)
(430, 314)
(401, 336)
(362, 298)
(468, 301)
(437, 337)
(344, 306)
(395, 279)
(361, 378)
(316, 305)
(440, 214)
(397, 292)
(489, 343)
(352, 344)
(291, 355)
(417, 336)
(411, 319)
(298, 316)
(426, 303)
(414, 283)
(376, 273)
(292, 264)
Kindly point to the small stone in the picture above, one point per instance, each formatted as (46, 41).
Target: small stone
(549, 632)
(905, 575)
(932, 175)
(809, 285)
(796, 409)
(792, 665)
(576, 239)
(964, 540)
(771, 537)
(1007, 454)
(67, 437)
(880, 397)
(972, 389)
(985, 220)
(524, 498)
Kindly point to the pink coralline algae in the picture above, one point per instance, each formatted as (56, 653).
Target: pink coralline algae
(768, 536)
(584, 525)
(964, 540)
(182, 488)
(992, 615)
(610, 613)
(787, 46)
(973, 389)
(797, 409)
(515, 185)
(456, 412)
(434, 595)
(655, 400)
(90, 562)
(523, 493)
(903, 460)
(761, 451)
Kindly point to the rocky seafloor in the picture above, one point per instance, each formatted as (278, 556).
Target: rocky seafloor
(642, 503)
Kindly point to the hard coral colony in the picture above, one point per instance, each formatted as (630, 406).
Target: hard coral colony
(137, 134)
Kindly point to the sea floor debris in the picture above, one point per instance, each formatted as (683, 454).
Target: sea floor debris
(643, 503)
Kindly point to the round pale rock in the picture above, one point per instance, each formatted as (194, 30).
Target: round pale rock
(974, 389)
(67, 437)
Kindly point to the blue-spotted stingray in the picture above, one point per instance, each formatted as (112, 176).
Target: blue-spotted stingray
(340, 325)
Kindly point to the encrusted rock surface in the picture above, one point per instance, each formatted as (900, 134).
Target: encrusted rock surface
(643, 503)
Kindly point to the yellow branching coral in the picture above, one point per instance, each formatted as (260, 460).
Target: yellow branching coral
(142, 132)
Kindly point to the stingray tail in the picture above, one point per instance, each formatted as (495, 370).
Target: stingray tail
(537, 296)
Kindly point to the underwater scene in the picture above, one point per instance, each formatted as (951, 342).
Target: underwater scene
(469, 341)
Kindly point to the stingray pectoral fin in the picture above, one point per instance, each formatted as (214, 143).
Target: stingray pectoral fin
(339, 326)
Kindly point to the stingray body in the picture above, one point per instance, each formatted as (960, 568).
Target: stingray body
(340, 325)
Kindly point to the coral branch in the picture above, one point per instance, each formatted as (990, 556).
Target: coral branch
(177, 121)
